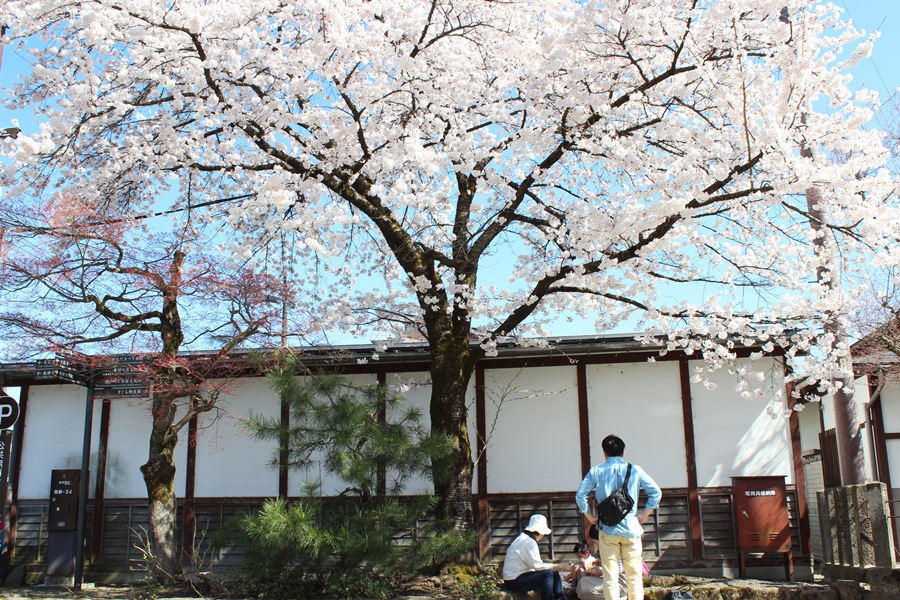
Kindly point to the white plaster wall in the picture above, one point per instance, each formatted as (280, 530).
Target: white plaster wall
(230, 462)
(415, 388)
(473, 428)
(299, 480)
(128, 446)
(532, 429)
(810, 425)
(736, 436)
(827, 403)
(861, 396)
(890, 410)
(893, 452)
(416, 391)
(890, 407)
(54, 437)
(533, 441)
(640, 403)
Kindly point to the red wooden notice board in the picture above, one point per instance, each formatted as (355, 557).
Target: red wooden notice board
(761, 518)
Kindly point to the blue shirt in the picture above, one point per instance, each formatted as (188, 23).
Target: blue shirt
(606, 478)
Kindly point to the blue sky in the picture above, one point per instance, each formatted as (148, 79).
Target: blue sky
(880, 72)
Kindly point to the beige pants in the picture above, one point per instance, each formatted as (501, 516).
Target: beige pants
(610, 548)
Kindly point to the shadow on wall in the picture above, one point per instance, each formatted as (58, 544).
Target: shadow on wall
(114, 474)
(761, 450)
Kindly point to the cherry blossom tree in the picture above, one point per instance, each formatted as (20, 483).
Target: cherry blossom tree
(468, 171)
(75, 276)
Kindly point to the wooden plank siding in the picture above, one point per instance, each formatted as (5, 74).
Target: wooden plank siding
(667, 538)
(31, 532)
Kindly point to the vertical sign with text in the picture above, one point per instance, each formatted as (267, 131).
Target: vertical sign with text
(5, 441)
(9, 414)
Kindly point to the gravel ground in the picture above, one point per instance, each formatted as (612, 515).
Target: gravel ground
(658, 588)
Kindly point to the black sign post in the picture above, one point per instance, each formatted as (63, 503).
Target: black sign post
(65, 488)
(9, 414)
(5, 445)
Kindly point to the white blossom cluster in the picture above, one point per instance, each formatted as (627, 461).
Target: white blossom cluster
(482, 168)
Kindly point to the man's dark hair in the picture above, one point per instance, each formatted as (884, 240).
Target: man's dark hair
(613, 445)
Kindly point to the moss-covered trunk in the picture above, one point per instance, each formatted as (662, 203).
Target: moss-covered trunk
(159, 478)
(159, 470)
(451, 370)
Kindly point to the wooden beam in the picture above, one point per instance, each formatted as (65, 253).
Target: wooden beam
(189, 518)
(484, 517)
(690, 459)
(799, 473)
(381, 481)
(284, 450)
(100, 484)
(584, 430)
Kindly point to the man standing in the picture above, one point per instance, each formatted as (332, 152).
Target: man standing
(623, 539)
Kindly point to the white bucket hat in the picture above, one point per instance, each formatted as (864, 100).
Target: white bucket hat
(538, 524)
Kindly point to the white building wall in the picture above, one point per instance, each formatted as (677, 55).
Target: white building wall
(128, 446)
(532, 425)
(300, 480)
(810, 425)
(739, 437)
(532, 429)
(861, 395)
(230, 462)
(890, 410)
(640, 403)
(54, 437)
(415, 388)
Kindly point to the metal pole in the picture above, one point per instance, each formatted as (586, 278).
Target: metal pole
(85, 485)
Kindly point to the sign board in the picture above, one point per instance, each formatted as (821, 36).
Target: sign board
(60, 368)
(62, 522)
(125, 378)
(761, 518)
(65, 486)
(136, 392)
(9, 411)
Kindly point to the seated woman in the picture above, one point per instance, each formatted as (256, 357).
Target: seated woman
(523, 569)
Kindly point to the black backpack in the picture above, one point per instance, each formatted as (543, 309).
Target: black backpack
(614, 507)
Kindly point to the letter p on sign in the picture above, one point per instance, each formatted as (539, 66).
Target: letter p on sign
(9, 411)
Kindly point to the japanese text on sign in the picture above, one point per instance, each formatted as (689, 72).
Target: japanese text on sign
(759, 492)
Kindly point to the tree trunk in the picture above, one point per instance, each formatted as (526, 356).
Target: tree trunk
(159, 477)
(159, 471)
(848, 428)
(451, 371)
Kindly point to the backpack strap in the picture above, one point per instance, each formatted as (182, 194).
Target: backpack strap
(627, 476)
